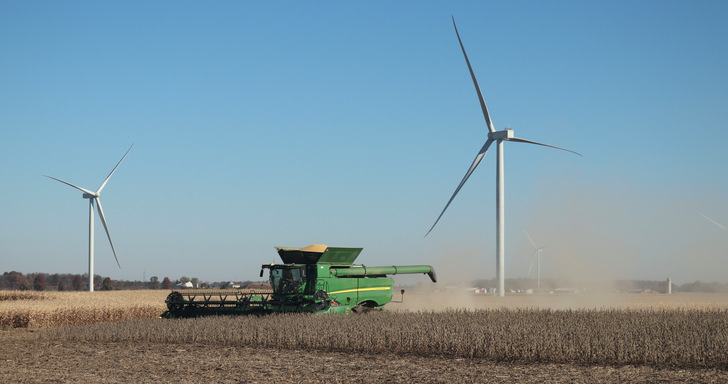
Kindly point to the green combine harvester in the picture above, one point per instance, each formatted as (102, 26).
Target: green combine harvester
(316, 279)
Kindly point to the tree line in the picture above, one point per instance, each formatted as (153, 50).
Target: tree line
(73, 282)
(79, 282)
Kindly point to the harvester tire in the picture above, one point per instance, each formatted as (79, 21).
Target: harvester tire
(361, 309)
(175, 301)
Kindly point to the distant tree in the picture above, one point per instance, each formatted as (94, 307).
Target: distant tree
(61, 286)
(106, 285)
(194, 281)
(77, 283)
(97, 280)
(24, 284)
(13, 279)
(700, 286)
(53, 279)
(166, 283)
(154, 282)
(184, 279)
(39, 283)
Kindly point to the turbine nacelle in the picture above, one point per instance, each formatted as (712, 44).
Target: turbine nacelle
(89, 196)
(501, 135)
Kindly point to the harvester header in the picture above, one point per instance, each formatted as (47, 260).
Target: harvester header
(317, 278)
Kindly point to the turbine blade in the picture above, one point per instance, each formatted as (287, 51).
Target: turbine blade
(475, 82)
(84, 190)
(112, 171)
(542, 144)
(532, 260)
(477, 161)
(103, 221)
(715, 222)
(531, 240)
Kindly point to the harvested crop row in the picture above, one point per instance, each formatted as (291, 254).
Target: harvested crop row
(677, 338)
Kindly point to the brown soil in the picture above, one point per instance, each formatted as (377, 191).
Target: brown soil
(25, 359)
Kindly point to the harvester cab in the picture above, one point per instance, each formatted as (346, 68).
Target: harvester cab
(286, 280)
(316, 278)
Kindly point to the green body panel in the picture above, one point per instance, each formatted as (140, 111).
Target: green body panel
(315, 279)
(370, 292)
(339, 255)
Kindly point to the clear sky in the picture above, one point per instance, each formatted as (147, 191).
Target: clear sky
(350, 124)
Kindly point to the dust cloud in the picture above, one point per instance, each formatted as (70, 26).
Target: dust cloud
(612, 229)
(596, 232)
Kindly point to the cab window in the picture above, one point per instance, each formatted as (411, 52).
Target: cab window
(287, 280)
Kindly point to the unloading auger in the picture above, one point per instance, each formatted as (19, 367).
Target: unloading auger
(317, 279)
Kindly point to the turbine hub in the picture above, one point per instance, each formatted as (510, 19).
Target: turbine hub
(501, 135)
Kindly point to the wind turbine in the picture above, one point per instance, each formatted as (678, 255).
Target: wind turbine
(715, 222)
(537, 258)
(499, 137)
(94, 197)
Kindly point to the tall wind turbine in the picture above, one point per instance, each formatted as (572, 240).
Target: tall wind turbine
(499, 137)
(94, 197)
(715, 222)
(537, 259)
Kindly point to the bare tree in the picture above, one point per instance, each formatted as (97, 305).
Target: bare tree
(106, 284)
(39, 283)
(77, 283)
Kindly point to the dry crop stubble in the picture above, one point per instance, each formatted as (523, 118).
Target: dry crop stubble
(29, 309)
(660, 338)
(415, 300)
(684, 330)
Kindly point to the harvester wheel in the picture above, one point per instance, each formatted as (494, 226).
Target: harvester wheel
(175, 301)
(360, 309)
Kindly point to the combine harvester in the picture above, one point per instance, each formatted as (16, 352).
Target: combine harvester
(316, 279)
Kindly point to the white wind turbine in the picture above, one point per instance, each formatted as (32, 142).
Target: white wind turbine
(499, 137)
(94, 196)
(537, 259)
(715, 222)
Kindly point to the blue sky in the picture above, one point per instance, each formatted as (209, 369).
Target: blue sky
(258, 125)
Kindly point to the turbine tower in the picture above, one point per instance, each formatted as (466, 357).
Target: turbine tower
(537, 259)
(499, 137)
(94, 197)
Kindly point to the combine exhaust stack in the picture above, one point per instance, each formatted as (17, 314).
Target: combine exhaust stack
(317, 279)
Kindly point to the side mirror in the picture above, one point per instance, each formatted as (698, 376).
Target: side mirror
(261, 272)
